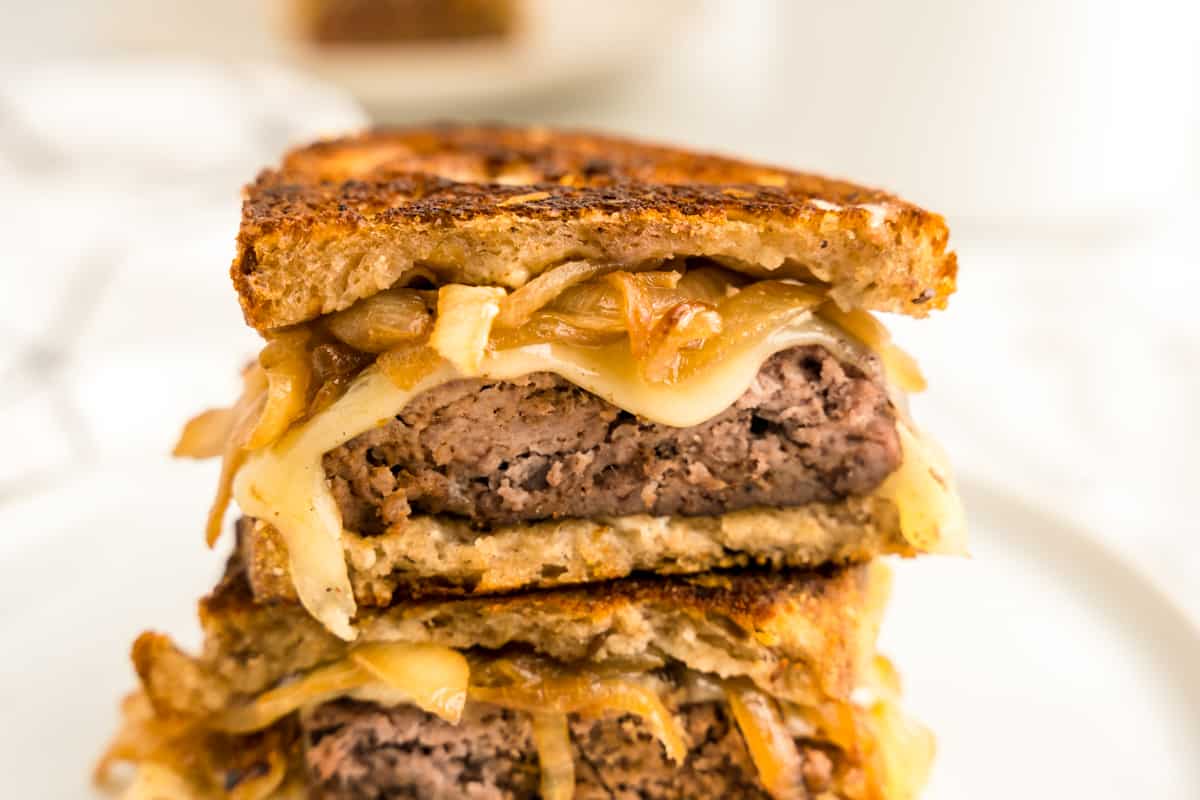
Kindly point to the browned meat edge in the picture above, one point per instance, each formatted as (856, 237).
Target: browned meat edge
(810, 428)
(358, 751)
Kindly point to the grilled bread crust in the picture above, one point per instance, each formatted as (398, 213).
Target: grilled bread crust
(802, 634)
(340, 220)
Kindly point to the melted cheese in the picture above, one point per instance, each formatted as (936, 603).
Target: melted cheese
(932, 518)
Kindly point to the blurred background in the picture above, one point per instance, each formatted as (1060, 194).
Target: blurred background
(1061, 138)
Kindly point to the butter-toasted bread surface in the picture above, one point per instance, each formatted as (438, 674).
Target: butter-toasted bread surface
(805, 635)
(340, 220)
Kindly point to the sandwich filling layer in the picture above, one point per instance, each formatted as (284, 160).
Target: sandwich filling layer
(699, 414)
(360, 750)
(785, 657)
(661, 735)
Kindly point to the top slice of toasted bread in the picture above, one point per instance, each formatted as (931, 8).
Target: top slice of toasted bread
(340, 220)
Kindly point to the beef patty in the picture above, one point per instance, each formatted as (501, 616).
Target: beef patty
(810, 428)
(359, 751)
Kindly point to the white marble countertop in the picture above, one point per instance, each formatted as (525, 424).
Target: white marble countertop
(1067, 370)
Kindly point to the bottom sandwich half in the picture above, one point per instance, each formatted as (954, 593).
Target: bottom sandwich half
(744, 685)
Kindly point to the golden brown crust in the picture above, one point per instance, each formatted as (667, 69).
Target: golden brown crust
(800, 634)
(342, 219)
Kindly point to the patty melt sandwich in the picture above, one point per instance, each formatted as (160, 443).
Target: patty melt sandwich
(563, 472)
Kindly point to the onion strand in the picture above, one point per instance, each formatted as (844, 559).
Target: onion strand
(517, 308)
(552, 739)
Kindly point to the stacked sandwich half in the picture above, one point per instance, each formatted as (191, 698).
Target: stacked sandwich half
(563, 472)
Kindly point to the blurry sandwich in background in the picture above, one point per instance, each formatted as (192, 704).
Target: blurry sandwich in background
(395, 21)
(564, 471)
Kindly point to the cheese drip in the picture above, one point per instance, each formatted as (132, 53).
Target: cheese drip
(285, 483)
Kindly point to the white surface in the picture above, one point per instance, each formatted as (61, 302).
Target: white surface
(557, 44)
(561, 43)
(1047, 666)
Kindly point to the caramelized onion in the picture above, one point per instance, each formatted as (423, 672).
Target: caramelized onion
(179, 757)
(407, 364)
(335, 366)
(663, 313)
(205, 434)
(270, 706)
(285, 360)
(464, 323)
(517, 308)
(555, 759)
(660, 322)
(262, 786)
(585, 694)
(154, 781)
(834, 722)
(245, 413)
(595, 304)
(382, 321)
(749, 315)
(643, 297)
(685, 326)
(559, 327)
(143, 736)
(771, 747)
(433, 677)
(709, 284)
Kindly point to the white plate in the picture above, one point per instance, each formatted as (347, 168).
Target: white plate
(1047, 666)
(559, 43)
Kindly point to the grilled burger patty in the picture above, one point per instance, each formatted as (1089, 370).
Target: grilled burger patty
(810, 428)
(361, 751)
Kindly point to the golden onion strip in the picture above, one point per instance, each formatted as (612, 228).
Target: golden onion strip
(324, 683)
(552, 739)
(289, 373)
(771, 747)
(517, 308)
(433, 677)
(748, 316)
(586, 695)
(205, 435)
(685, 326)
(382, 321)
(262, 787)
(244, 414)
(406, 365)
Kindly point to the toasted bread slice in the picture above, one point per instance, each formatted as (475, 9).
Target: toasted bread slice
(442, 555)
(806, 636)
(343, 219)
